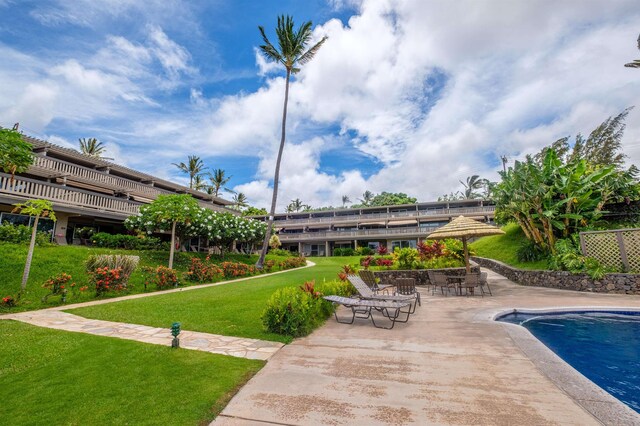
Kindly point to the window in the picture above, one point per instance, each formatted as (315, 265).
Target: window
(44, 225)
(403, 244)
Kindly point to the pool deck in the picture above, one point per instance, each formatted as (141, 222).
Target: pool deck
(451, 364)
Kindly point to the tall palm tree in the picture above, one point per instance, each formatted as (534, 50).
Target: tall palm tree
(345, 200)
(296, 205)
(199, 184)
(240, 200)
(218, 181)
(635, 63)
(91, 147)
(292, 54)
(193, 168)
(473, 184)
(367, 198)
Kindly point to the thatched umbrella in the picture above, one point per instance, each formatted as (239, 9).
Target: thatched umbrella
(464, 228)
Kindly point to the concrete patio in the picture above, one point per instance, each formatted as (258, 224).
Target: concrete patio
(450, 365)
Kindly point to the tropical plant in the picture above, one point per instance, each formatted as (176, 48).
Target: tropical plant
(367, 198)
(295, 205)
(254, 211)
(635, 63)
(392, 199)
(218, 180)
(240, 200)
(193, 167)
(471, 186)
(292, 54)
(15, 154)
(124, 263)
(91, 147)
(166, 212)
(274, 242)
(199, 183)
(36, 209)
(345, 200)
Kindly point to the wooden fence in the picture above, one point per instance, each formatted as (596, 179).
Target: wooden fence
(618, 248)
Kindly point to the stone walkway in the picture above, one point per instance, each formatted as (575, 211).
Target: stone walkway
(214, 343)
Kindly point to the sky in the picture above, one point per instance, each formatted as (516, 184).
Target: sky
(405, 96)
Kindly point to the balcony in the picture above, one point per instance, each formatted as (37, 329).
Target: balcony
(355, 234)
(388, 216)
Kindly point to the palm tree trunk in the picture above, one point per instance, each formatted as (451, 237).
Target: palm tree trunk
(272, 212)
(173, 244)
(32, 245)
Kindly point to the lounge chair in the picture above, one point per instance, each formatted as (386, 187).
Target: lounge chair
(361, 308)
(407, 287)
(370, 279)
(366, 293)
(471, 282)
(484, 282)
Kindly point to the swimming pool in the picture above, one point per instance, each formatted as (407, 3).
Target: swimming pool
(602, 345)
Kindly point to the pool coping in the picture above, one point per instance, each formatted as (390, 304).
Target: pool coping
(599, 403)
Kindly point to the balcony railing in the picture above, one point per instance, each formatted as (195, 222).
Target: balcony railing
(392, 215)
(30, 189)
(386, 232)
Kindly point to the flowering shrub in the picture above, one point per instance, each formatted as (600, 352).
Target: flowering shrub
(269, 264)
(382, 250)
(297, 311)
(292, 262)
(235, 269)
(201, 272)
(8, 301)
(57, 286)
(385, 263)
(161, 276)
(126, 264)
(106, 279)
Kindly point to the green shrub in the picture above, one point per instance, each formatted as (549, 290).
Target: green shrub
(21, 234)
(298, 311)
(281, 252)
(161, 276)
(569, 258)
(406, 258)
(126, 264)
(530, 252)
(203, 271)
(292, 262)
(128, 242)
(348, 251)
(364, 251)
(441, 263)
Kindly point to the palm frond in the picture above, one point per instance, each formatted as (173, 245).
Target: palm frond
(309, 54)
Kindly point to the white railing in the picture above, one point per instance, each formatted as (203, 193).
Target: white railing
(30, 189)
(408, 214)
(422, 231)
(114, 182)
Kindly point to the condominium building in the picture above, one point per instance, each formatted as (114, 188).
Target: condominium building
(86, 191)
(319, 233)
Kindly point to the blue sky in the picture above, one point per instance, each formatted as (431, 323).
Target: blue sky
(408, 96)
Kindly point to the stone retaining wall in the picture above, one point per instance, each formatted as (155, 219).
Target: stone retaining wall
(420, 275)
(611, 283)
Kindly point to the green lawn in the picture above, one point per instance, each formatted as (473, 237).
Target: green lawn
(49, 261)
(56, 377)
(231, 309)
(504, 247)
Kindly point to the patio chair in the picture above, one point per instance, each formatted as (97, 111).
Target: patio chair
(370, 279)
(471, 282)
(407, 287)
(362, 309)
(441, 280)
(485, 282)
(366, 293)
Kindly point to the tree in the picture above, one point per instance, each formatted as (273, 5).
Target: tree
(199, 183)
(254, 211)
(218, 181)
(36, 209)
(16, 155)
(295, 206)
(274, 242)
(167, 213)
(367, 198)
(472, 184)
(635, 63)
(91, 147)
(193, 167)
(392, 199)
(345, 200)
(292, 55)
(240, 200)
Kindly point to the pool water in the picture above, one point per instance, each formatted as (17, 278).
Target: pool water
(603, 346)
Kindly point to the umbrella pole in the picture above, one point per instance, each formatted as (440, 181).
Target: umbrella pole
(466, 255)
